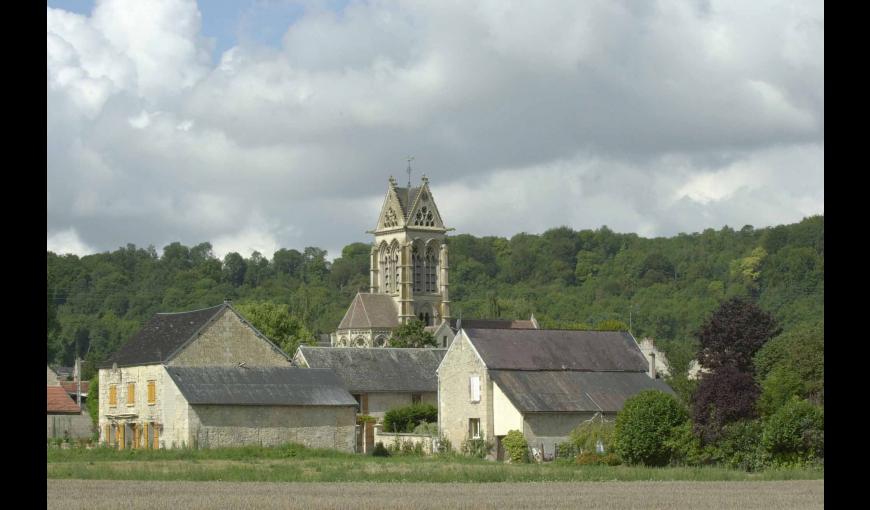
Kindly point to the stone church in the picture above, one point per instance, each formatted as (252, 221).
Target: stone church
(409, 272)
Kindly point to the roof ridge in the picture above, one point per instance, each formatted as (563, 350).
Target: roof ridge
(191, 311)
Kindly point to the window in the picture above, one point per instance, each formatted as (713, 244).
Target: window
(152, 392)
(131, 393)
(415, 398)
(444, 342)
(474, 428)
(474, 386)
(113, 395)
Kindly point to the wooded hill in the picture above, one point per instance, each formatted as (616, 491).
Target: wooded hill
(663, 287)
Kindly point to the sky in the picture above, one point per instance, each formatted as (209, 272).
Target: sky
(259, 125)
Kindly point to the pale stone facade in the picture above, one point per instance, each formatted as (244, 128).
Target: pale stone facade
(455, 405)
(648, 348)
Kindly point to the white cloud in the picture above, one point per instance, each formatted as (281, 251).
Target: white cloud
(647, 117)
(67, 241)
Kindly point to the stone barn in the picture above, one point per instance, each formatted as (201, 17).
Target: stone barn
(143, 406)
(267, 406)
(543, 383)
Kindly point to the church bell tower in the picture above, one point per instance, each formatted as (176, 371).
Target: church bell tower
(409, 254)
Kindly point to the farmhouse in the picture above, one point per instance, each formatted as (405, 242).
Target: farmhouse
(65, 418)
(379, 379)
(208, 377)
(541, 382)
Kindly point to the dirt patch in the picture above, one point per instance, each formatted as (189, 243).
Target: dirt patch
(152, 495)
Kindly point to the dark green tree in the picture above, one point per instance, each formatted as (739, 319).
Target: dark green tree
(412, 334)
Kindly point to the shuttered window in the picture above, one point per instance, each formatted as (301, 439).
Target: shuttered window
(131, 393)
(474, 388)
(474, 428)
(152, 392)
(113, 395)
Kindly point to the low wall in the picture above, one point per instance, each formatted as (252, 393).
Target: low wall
(390, 438)
(73, 426)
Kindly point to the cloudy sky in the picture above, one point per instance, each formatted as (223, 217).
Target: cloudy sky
(257, 125)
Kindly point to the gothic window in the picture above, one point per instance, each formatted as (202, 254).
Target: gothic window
(431, 265)
(360, 341)
(385, 271)
(380, 341)
(343, 341)
(390, 219)
(417, 257)
(396, 269)
(424, 218)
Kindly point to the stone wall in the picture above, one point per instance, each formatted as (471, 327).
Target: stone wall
(226, 342)
(74, 426)
(214, 426)
(455, 407)
(390, 439)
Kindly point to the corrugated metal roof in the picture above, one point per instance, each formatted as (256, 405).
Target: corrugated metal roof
(568, 391)
(370, 311)
(379, 369)
(59, 402)
(545, 349)
(287, 386)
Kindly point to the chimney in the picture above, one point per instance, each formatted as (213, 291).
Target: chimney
(652, 365)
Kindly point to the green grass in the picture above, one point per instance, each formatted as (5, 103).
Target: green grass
(297, 464)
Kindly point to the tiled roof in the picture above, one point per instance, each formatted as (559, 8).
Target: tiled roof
(378, 368)
(568, 391)
(370, 311)
(72, 386)
(406, 197)
(283, 386)
(547, 349)
(492, 324)
(59, 401)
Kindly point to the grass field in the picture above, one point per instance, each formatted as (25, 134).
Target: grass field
(296, 464)
(97, 494)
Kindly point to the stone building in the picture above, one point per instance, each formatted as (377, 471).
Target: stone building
(653, 355)
(408, 269)
(66, 420)
(541, 382)
(379, 379)
(142, 404)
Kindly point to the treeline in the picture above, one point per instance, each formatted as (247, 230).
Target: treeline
(663, 287)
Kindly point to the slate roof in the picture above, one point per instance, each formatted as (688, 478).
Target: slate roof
(569, 391)
(281, 386)
(406, 198)
(59, 401)
(546, 349)
(492, 324)
(370, 311)
(380, 368)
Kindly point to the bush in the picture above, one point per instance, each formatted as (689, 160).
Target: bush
(380, 450)
(645, 427)
(586, 436)
(427, 429)
(516, 446)
(740, 446)
(685, 447)
(477, 447)
(443, 446)
(405, 419)
(726, 395)
(795, 434)
(595, 459)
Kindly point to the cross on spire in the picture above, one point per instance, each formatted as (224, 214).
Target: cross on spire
(410, 158)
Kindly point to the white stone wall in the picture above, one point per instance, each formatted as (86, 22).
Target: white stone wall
(505, 415)
(455, 407)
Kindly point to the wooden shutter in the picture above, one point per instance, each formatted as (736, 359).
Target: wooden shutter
(156, 434)
(145, 435)
(113, 395)
(152, 392)
(475, 388)
(131, 393)
(106, 430)
(121, 428)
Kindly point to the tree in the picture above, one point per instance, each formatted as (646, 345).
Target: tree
(287, 262)
(723, 396)
(275, 321)
(412, 334)
(795, 434)
(234, 269)
(734, 333)
(645, 428)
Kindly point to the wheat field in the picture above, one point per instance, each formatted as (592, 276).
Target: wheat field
(156, 495)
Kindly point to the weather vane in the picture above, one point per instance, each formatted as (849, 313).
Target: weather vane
(410, 158)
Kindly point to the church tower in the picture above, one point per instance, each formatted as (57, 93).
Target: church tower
(409, 254)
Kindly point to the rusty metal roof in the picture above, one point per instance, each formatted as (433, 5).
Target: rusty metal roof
(546, 349)
(379, 368)
(282, 386)
(571, 391)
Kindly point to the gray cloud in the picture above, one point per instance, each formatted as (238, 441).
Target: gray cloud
(654, 118)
